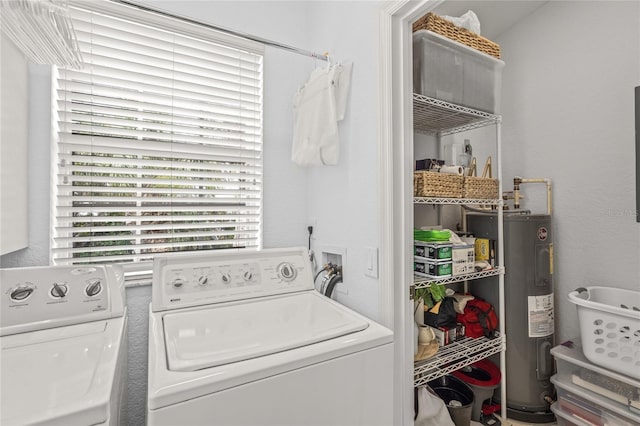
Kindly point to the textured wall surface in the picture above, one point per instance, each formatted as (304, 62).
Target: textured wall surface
(568, 115)
(14, 126)
(343, 199)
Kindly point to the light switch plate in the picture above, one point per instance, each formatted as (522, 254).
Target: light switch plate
(371, 262)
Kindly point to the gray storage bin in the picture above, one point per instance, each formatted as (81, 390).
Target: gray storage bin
(450, 71)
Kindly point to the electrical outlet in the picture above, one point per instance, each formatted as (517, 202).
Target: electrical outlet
(313, 223)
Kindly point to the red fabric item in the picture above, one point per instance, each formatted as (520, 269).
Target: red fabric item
(479, 319)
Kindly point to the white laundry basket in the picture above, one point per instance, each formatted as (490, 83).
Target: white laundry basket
(610, 327)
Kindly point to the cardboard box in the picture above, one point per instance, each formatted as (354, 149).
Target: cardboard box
(482, 249)
(447, 335)
(463, 260)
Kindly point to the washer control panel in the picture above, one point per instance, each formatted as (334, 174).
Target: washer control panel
(181, 281)
(44, 297)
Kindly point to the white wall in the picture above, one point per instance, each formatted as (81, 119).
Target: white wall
(343, 199)
(35, 185)
(14, 87)
(568, 114)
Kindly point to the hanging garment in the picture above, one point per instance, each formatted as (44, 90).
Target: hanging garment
(317, 108)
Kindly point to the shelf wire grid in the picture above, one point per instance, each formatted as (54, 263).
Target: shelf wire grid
(455, 356)
(420, 281)
(462, 201)
(432, 115)
(442, 118)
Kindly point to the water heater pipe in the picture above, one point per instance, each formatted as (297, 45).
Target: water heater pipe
(517, 181)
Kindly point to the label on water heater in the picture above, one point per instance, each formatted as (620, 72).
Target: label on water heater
(540, 314)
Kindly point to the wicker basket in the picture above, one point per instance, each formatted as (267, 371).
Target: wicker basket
(435, 23)
(480, 188)
(435, 184)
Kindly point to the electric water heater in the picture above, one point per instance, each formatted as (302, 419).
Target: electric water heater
(529, 302)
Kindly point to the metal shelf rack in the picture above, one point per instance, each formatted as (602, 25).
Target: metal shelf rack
(422, 282)
(454, 356)
(432, 115)
(460, 201)
(442, 118)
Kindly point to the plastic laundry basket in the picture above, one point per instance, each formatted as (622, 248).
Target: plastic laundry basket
(610, 327)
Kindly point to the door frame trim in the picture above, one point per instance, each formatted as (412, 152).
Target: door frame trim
(395, 189)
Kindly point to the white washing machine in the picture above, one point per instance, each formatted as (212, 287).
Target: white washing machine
(244, 338)
(63, 343)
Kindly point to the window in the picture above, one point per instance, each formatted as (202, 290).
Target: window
(159, 139)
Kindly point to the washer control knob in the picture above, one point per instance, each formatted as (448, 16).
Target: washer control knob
(203, 280)
(21, 293)
(287, 271)
(247, 275)
(226, 278)
(178, 282)
(93, 288)
(58, 291)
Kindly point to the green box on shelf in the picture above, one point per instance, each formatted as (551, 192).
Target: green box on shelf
(432, 268)
(433, 250)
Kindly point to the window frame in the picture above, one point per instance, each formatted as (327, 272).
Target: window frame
(141, 269)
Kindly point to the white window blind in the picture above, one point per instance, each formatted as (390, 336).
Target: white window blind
(159, 141)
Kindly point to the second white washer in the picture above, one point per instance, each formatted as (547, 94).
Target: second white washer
(63, 340)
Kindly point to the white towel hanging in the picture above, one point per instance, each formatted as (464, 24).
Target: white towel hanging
(318, 106)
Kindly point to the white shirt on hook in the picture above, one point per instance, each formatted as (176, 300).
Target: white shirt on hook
(317, 108)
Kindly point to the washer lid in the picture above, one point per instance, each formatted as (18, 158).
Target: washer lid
(204, 338)
(60, 376)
